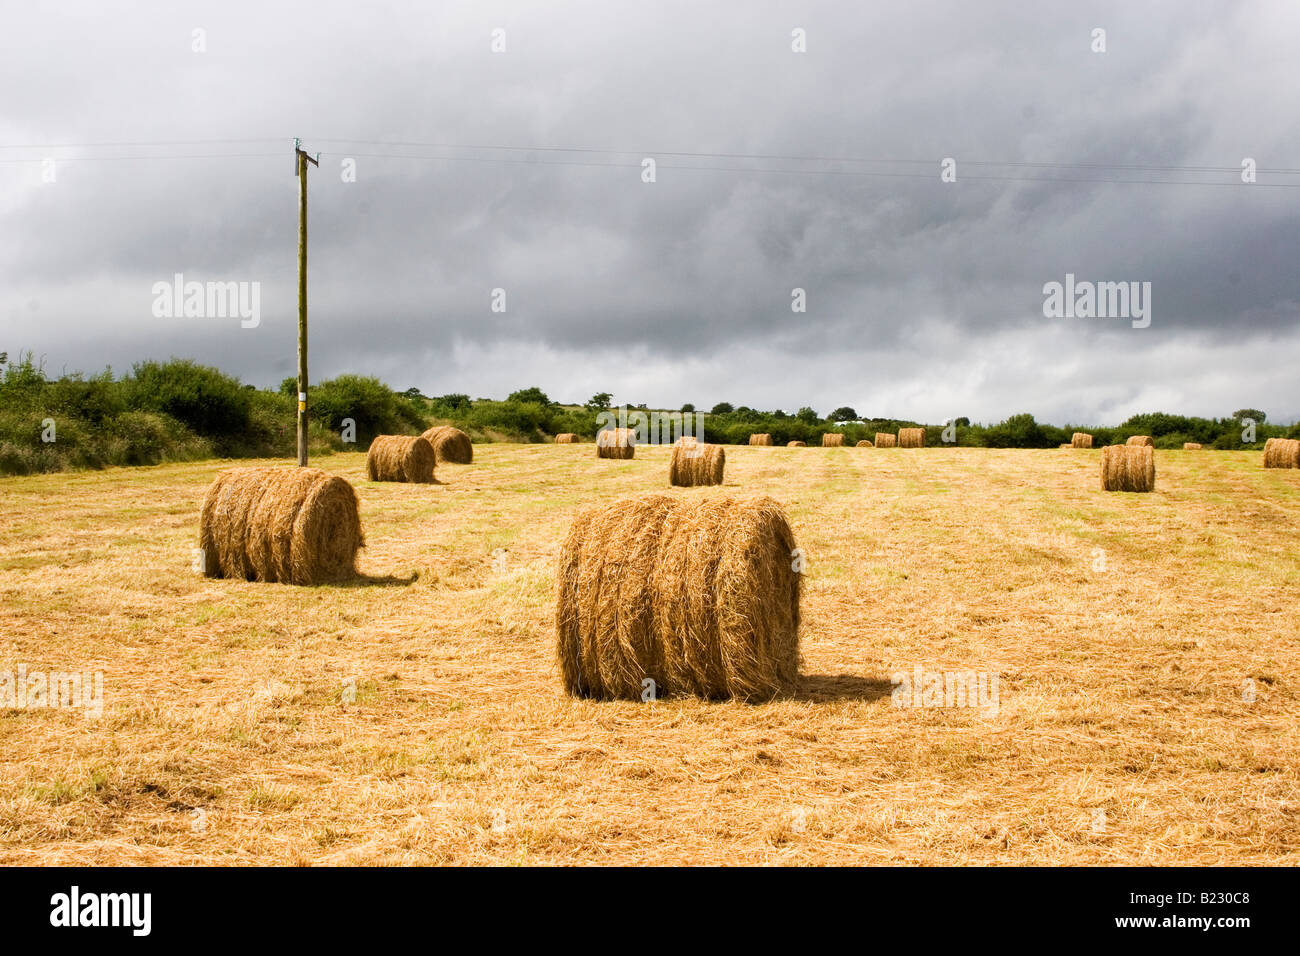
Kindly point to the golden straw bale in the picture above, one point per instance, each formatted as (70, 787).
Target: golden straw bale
(399, 458)
(886, 440)
(450, 445)
(291, 525)
(796, 444)
(911, 438)
(760, 439)
(695, 463)
(1128, 468)
(865, 444)
(1081, 440)
(1282, 453)
(832, 440)
(699, 596)
(1192, 446)
(617, 443)
(566, 438)
(1140, 440)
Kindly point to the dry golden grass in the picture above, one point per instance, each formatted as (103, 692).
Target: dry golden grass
(426, 722)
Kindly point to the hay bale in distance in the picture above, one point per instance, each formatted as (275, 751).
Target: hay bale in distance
(1282, 453)
(1192, 446)
(617, 443)
(886, 440)
(865, 444)
(763, 439)
(400, 458)
(1081, 440)
(450, 445)
(796, 444)
(911, 438)
(833, 440)
(1140, 440)
(566, 438)
(698, 595)
(695, 463)
(1128, 468)
(291, 525)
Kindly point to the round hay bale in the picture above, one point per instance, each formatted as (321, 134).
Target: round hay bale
(566, 438)
(450, 445)
(865, 444)
(1282, 453)
(291, 525)
(617, 443)
(833, 440)
(911, 438)
(796, 444)
(694, 463)
(399, 458)
(1140, 440)
(886, 440)
(763, 439)
(1081, 440)
(1128, 468)
(1192, 446)
(699, 596)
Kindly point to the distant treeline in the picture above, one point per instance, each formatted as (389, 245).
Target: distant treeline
(182, 411)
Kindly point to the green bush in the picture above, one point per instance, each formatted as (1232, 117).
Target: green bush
(202, 399)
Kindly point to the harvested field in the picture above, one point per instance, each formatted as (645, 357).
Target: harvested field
(425, 721)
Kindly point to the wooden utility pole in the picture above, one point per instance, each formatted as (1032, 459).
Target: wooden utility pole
(301, 160)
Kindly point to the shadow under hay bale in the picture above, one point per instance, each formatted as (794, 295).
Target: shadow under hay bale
(698, 596)
(291, 525)
(566, 438)
(886, 440)
(694, 463)
(1282, 453)
(1081, 440)
(618, 443)
(833, 440)
(911, 438)
(1128, 468)
(760, 439)
(450, 445)
(401, 458)
(1140, 440)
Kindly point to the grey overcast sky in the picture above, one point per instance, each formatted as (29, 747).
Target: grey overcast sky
(924, 298)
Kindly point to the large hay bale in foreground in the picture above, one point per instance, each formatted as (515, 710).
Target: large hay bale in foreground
(796, 444)
(911, 438)
(886, 440)
(450, 445)
(617, 443)
(695, 463)
(1140, 440)
(1128, 468)
(1081, 440)
(1282, 453)
(832, 440)
(699, 596)
(1192, 446)
(865, 444)
(291, 525)
(763, 439)
(566, 438)
(400, 458)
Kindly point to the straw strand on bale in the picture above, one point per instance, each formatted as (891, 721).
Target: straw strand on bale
(865, 444)
(1128, 468)
(399, 458)
(617, 443)
(1140, 440)
(886, 440)
(832, 440)
(911, 438)
(699, 597)
(566, 438)
(760, 439)
(450, 445)
(1282, 453)
(291, 525)
(1081, 440)
(694, 463)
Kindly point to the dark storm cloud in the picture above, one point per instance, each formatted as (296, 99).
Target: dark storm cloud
(924, 299)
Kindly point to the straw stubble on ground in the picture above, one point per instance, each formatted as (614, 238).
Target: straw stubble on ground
(426, 722)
